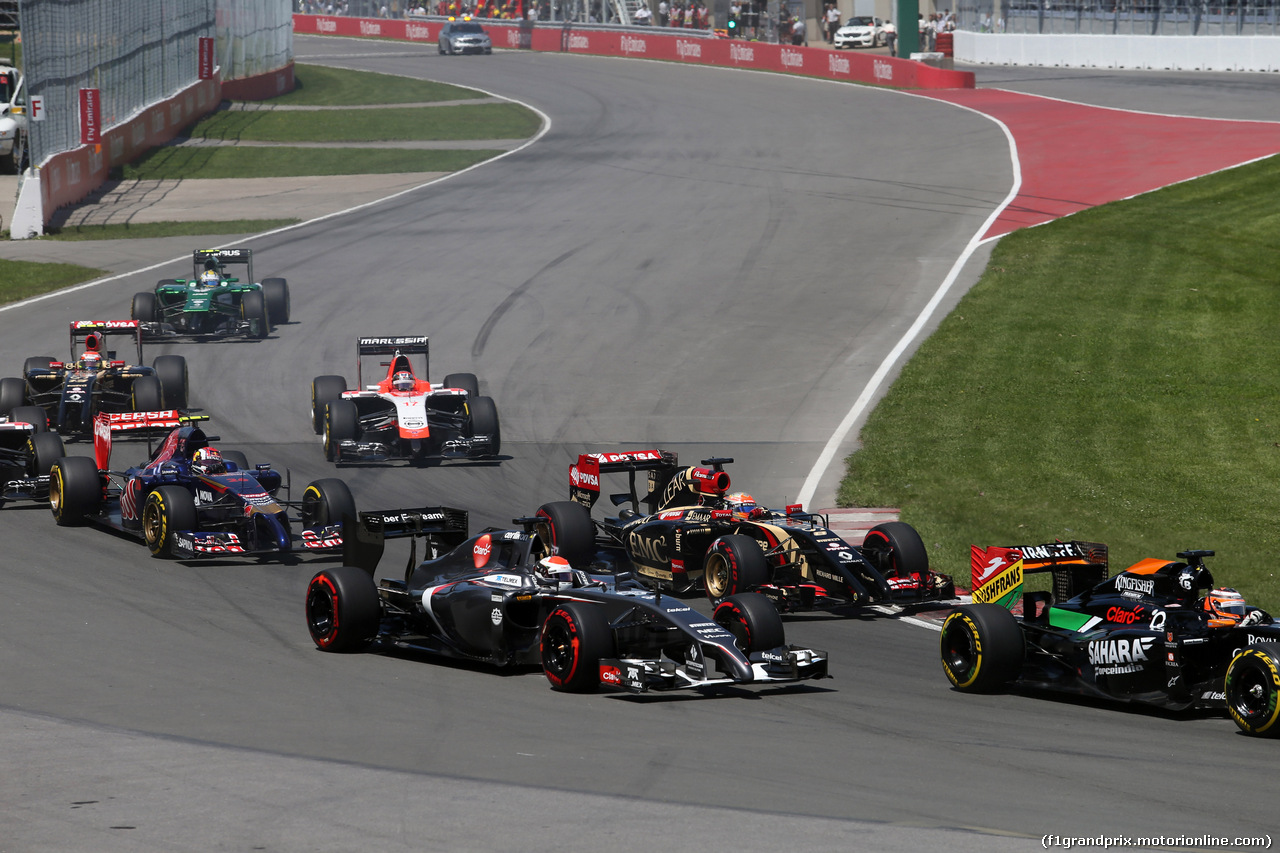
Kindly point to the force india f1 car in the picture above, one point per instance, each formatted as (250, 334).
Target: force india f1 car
(187, 502)
(1157, 633)
(93, 380)
(497, 598)
(27, 452)
(692, 530)
(403, 416)
(212, 303)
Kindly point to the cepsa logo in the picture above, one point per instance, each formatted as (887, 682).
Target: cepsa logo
(325, 25)
(481, 550)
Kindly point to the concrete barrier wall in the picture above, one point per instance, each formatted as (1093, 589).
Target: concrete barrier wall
(659, 43)
(1174, 53)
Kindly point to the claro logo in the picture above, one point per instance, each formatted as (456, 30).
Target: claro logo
(882, 70)
(634, 45)
(686, 49)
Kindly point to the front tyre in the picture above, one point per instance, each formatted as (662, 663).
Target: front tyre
(1252, 688)
(324, 390)
(565, 528)
(575, 637)
(341, 423)
(753, 621)
(982, 648)
(148, 394)
(171, 370)
(466, 381)
(167, 510)
(326, 502)
(75, 489)
(253, 309)
(143, 308)
(13, 393)
(733, 564)
(484, 421)
(34, 415)
(43, 450)
(276, 293)
(896, 549)
(343, 609)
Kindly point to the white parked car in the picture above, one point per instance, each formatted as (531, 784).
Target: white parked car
(861, 31)
(13, 119)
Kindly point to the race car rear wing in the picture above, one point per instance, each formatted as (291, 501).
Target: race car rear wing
(584, 476)
(998, 571)
(364, 537)
(82, 329)
(106, 424)
(218, 259)
(406, 345)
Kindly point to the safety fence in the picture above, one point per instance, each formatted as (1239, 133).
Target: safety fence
(1091, 17)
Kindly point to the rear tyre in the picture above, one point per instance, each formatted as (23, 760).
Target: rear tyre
(75, 489)
(253, 308)
(982, 648)
(327, 501)
(171, 370)
(465, 381)
(33, 415)
(276, 293)
(341, 423)
(166, 510)
(753, 621)
(484, 421)
(565, 528)
(343, 610)
(13, 393)
(733, 564)
(143, 308)
(575, 637)
(1252, 688)
(43, 449)
(324, 390)
(896, 549)
(37, 362)
(148, 395)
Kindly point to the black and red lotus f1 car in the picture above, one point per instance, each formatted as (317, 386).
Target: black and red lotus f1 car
(27, 451)
(497, 598)
(689, 529)
(1158, 633)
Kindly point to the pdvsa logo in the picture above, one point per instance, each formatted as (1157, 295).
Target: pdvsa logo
(792, 59)
(687, 49)
(882, 70)
(326, 25)
(837, 64)
(581, 478)
(370, 28)
(741, 53)
(634, 45)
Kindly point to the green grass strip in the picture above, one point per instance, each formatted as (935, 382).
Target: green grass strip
(142, 230)
(474, 121)
(21, 279)
(1112, 376)
(320, 86)
(260, 162)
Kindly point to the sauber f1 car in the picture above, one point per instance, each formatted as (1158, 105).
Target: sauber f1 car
(501, 599)
(94, 380)
(689, 529)
(187, 500)
(1157, 633)
(403, 416)
(27, 452)
(213, 303)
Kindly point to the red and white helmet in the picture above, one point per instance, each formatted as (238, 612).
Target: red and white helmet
(555, 568)
(207, 460)
(402, 381)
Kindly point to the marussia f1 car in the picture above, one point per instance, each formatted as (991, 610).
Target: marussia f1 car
(692, 530)
(1157, 633)
(498, 598)
(213, 304)
(403, 416)
(27, 452)
(187, 500)
(94, 380)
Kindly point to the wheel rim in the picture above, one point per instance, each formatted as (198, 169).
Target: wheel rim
(55, 492)
(958, 650)
(1249, 694)
(321, 614)
(717, 576)
(732, 621)
(311, 505)
(558, 648)
(153, 523)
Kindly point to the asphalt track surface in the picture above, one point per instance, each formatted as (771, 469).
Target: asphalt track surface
(703, 260)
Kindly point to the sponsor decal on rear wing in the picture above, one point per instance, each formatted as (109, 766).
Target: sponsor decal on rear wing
(363, 545)
(391, 344)
(998, 572)
(222, 256)
(107, 423)
(584, 475)
(104, 327)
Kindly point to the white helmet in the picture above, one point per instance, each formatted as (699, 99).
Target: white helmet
(555, 568)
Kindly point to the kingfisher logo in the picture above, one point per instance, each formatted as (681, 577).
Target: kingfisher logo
(742, 53)
(370, 28)
(579, 42)
(688, 49)
(325, 25)
(417, 31)
(837, 64)
(792, 59)
(632, 45)
(882, 70)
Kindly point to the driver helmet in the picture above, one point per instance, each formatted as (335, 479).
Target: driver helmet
(207, 460)
(1224, 607)
(91, 360)
(402, 381)
(555, 568)
(209, 278)
(745, 504)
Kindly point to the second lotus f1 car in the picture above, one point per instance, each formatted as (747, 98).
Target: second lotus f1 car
(502, 598)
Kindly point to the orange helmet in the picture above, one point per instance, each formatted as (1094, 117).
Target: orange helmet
(1224, 607)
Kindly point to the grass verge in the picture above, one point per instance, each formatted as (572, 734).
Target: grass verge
(284, 162)
(321, 86)
(22, 279)
(468, 121)
(1111, 377)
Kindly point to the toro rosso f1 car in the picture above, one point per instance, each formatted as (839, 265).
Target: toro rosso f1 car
(213, 303)
(187, 500)
(403, 416)
(499, 598)
(689, 529)
(1157, 633)
(27, 452)
(94, 380)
